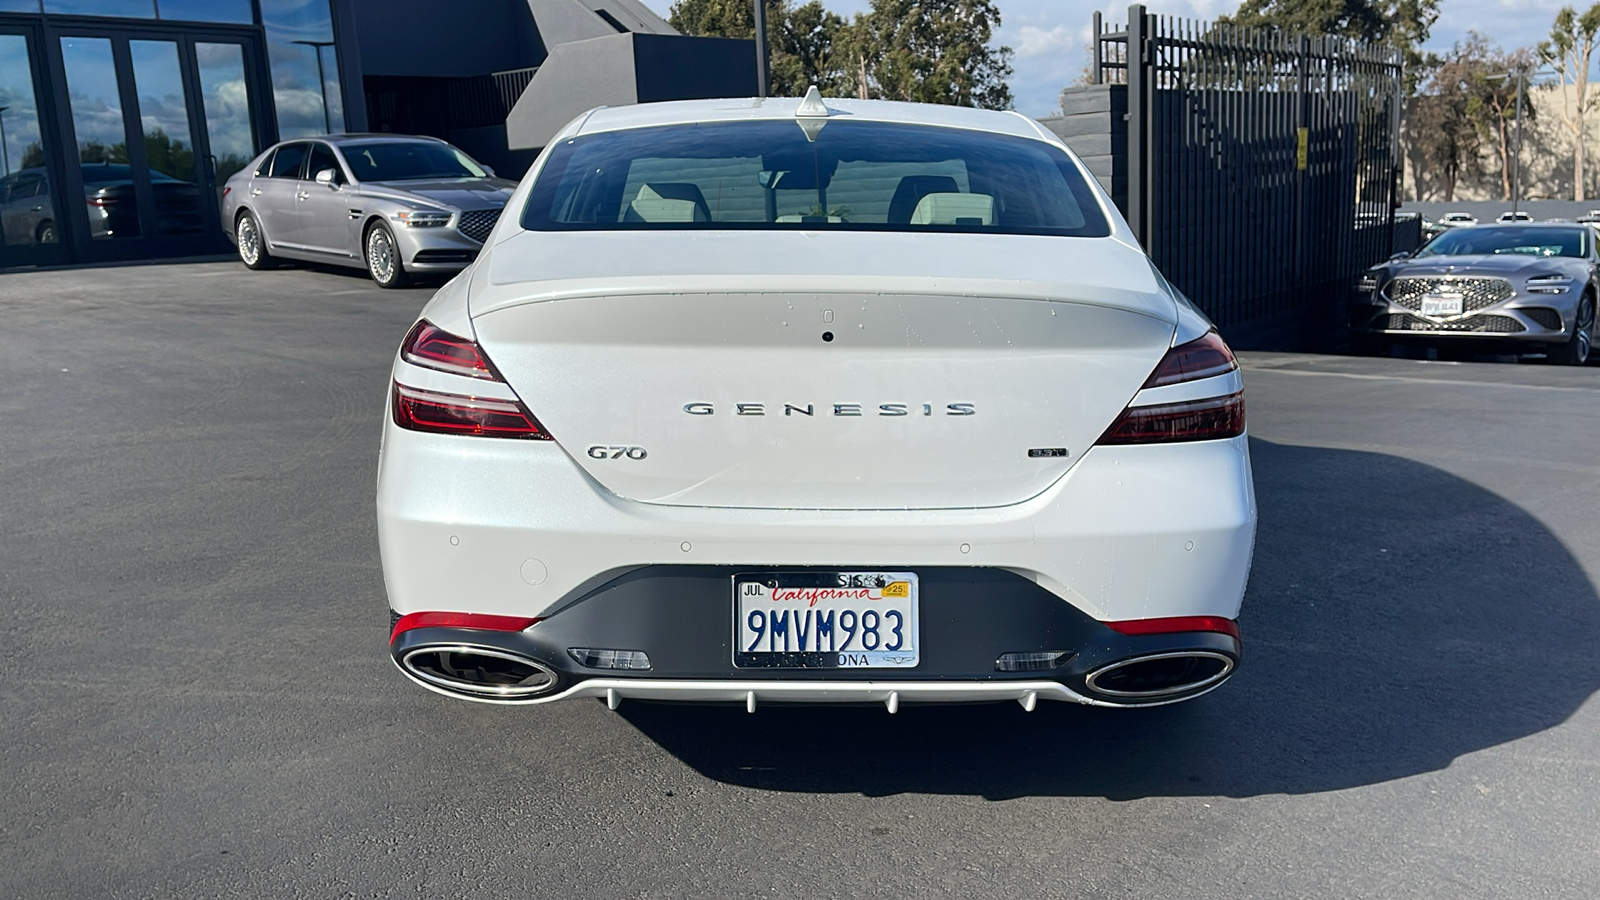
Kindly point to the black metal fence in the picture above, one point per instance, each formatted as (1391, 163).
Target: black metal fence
(1260, 167)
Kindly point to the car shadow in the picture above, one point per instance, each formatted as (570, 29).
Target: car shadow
(1397, 618)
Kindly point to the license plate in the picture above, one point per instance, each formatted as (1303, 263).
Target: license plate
(825, 620)
(1441, 304)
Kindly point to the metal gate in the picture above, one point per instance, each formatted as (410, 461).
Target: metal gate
(1260, 166)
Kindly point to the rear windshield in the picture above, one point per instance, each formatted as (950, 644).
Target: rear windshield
(814, 175)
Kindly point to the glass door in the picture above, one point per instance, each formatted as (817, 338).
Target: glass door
(30, 224)
(158, 123)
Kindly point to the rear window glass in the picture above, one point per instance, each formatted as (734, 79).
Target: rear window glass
(812, 174)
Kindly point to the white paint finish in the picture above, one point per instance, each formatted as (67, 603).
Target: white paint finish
(1109, 537)
(620, 371)
(1184, 391)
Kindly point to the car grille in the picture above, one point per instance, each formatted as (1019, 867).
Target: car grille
(477, 223)
(1544, 315)
(1472, 324)
(1476, 293)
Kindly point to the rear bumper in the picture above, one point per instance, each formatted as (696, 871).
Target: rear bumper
(682, 617)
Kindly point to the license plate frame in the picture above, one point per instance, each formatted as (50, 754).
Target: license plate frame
(802, 601)
(1443, 303)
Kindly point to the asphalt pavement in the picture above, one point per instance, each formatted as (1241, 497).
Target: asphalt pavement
(195, 699)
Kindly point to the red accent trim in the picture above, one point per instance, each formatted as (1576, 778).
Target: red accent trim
(1175, 625)
(458, 620)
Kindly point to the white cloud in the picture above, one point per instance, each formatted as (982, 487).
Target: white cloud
(1035, 41)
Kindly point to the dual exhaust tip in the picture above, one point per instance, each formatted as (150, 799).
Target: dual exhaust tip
(1159, 676)
(483, 673)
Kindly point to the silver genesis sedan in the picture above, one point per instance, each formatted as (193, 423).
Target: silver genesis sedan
(1520, 288)
(395, 205)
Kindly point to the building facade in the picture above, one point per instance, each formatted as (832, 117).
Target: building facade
(143, 108)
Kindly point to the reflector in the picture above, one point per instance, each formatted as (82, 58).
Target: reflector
(609, 659)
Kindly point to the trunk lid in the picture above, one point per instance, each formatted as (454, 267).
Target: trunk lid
(945, 393)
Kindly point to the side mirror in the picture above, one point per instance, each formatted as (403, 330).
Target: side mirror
(329, 177)
(489, 169)
(1399, 256)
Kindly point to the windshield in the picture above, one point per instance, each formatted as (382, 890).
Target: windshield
(1522, 239)
(409, 160)
(814, 174)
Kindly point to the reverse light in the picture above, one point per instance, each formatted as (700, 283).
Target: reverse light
(1033, 661)
(609, 659)
(422, 218)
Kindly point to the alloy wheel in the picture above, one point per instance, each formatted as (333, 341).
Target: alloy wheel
(380, 256)
(249, 240)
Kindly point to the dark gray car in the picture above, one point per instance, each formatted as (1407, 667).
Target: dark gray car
(392, 204)
(1520, 287)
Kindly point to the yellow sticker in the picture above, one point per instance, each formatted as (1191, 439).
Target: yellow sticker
(898, 589)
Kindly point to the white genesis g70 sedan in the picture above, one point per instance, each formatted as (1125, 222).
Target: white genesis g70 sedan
(778, 401)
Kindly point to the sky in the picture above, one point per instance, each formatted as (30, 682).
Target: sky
(1050, 37)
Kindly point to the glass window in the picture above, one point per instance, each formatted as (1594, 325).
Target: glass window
(168, 141)
(27, 210)
(102, 135)
(266, 165)
(207, 11)
(305, 66)
(286, 164)
(225, 97)
(322, 158)
(408, 160)
(128, 9)
(865, 176)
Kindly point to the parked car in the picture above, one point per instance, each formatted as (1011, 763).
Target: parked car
(1591, 217)
(1518, 216)
(114, 206)
(1522, 288)
(395, 205)
(781, 401)
(1458, 220)
(27, 211)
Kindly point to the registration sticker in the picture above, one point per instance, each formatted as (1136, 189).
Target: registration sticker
(825, 620)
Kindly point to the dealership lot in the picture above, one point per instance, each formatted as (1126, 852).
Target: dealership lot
(197, 701)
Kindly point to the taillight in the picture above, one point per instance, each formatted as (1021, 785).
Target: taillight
(1165, 423)
(226, 190)
(419, 409)
(1204, 357)
(1208, 419)
(431, 347)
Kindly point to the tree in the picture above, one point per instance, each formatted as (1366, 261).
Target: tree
(800, 39)
(1440, 120)
(1403, 24)
(933, 51)
(930, 51)
(1493, 105)
(1569, 51)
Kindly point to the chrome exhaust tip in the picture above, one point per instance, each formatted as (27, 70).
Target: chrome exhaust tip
(1161, 675)
(475, 671)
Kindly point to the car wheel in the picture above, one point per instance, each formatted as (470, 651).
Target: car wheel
(383, 258)
(1578, 348)
(252, 242)
(45, 233)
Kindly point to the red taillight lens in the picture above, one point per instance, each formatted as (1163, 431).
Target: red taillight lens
(1175, 625)
(420, 410)
(431, 347)
(226, 190)
(103, 202)
(458, 620)
(1165, 423)
(1202, 357)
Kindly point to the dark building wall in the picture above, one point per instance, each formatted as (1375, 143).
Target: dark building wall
(428, 38)
(671, 67)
